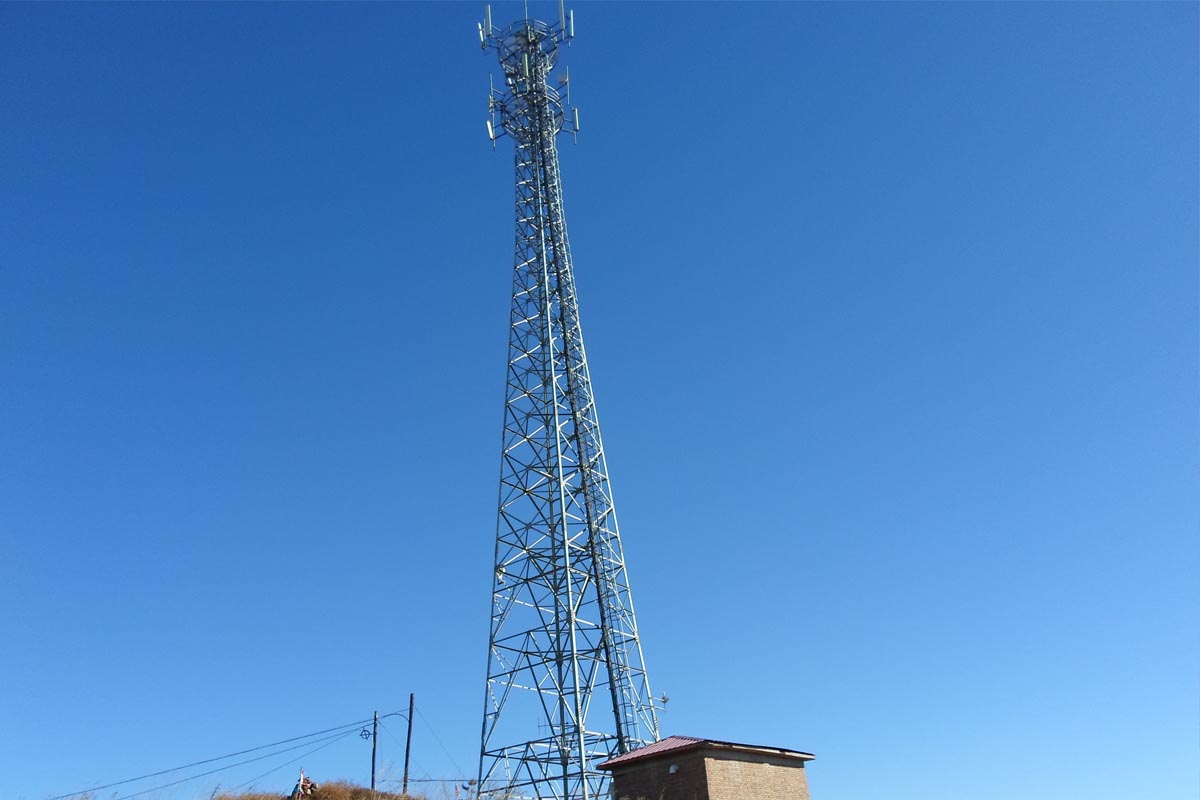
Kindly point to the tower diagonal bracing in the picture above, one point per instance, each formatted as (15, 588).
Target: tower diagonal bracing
(566, 683)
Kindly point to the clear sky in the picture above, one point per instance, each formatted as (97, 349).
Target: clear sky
(891, 313)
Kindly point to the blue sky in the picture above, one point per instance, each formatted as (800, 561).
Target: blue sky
(892, 317)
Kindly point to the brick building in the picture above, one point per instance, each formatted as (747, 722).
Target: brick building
(686, 768)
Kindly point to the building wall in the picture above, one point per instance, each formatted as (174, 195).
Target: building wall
(711, 775)
(652, 779)
(748, 777)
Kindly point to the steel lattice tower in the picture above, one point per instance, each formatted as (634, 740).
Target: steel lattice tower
(566, 684)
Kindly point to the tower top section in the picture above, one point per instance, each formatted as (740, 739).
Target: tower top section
(528, 53)
(530, 37)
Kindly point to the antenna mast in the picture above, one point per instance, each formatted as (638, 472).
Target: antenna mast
(566, 684)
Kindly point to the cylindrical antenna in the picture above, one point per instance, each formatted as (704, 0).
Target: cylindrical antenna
(487, 19)
(562, 16)
(576, 110)
(571, 24)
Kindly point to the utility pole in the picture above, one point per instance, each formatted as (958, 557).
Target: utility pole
(374, 747)
(408, 742)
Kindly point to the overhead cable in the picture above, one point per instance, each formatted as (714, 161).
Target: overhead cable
(212, 760)
(300, 757)
(328, 741)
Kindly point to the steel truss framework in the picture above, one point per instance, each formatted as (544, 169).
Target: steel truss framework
(566, 684)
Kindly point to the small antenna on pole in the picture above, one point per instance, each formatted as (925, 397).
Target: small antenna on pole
(492, 103)
(570, 25)
(562, 16)
(487, 19)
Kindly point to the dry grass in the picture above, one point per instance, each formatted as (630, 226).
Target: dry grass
(334, 790)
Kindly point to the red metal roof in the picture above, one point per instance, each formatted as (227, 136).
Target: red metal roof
(677, 743)
(661, 746)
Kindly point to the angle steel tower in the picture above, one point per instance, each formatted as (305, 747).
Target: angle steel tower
(566, 685)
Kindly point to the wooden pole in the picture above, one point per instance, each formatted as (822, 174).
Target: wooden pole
(408, 742)
(374, 747)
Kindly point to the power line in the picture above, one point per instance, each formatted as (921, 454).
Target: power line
(211, 760)
(388, 766)
(388, 731)
(438, 739)
(437, 780)
(328, 741)
(293, 761)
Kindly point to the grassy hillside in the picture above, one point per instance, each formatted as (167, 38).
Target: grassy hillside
(334, 790)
